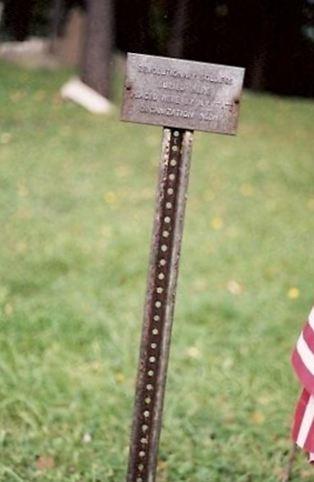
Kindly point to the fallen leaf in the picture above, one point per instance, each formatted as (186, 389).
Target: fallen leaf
(293, 293)
(217, 223)
(193, 352)
(228, 363)
(110, 197)
(45, 462)
(200, 284)
(5, 138)
(120, 378)
(209, 196)
(258, 417)
(87, 438)
(122, 171)
(246, 190)
(8, 309)
(162, 464)
(22, 190)
(21, 247)
(96, 364)
(310, 203)
(234, 287)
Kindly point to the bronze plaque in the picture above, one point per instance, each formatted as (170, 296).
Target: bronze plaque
(181, 93)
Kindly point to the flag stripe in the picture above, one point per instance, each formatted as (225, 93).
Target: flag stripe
(311, 318)
(299, 413)
(304, 376)
(303, 364)
(306, 423)
(309, 443)
(305, 354)
(308, 335)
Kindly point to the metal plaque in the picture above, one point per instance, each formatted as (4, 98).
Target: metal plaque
(182, 94)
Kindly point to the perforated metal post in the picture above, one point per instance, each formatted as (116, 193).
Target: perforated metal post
(159, 305)
(185, 96)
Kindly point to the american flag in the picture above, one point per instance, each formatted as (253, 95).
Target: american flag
(303, 364)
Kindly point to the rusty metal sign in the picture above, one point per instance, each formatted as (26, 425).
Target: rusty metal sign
(198, 96)
(182, 94)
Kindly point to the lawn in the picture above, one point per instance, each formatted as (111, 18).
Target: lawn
(77, 194)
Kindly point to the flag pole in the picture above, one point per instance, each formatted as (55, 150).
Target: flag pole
(287, 476)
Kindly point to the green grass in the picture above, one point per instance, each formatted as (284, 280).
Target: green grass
(76, 197)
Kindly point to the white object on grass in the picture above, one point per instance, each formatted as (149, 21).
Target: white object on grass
(83, 95)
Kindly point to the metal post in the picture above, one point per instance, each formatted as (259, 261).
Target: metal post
(159, 305)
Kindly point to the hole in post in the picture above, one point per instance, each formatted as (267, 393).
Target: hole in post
(155, 331)
(161, 276)
(172, 177)
(167, 219)
(158, 304)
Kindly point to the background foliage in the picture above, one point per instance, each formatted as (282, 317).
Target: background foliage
(76, 203)
(274, 40)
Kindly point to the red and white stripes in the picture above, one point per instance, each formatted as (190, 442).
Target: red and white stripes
(303, 364)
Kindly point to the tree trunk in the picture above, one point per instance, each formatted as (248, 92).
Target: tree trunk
(262, 57)
(57, 13)
(97, 54)
(180, 21)
(17, 18)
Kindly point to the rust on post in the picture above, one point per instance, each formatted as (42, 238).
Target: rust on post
(159, 305)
